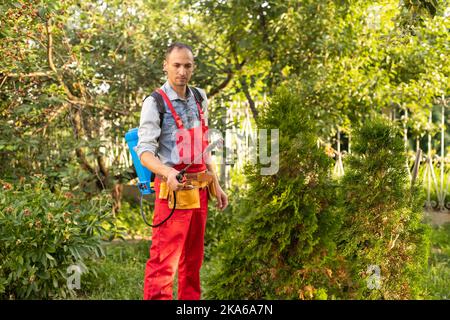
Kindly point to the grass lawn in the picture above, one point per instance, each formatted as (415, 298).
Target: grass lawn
(437, 281)
(120, 273)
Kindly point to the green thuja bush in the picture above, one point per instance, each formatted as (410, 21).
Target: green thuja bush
(42, 235)
(383, 239)
(281, 241)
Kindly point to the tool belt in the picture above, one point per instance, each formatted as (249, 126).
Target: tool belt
(189, 196)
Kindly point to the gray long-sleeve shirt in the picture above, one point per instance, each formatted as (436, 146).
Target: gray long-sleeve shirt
(161, 141)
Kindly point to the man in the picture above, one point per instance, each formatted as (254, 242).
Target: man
(166, 145)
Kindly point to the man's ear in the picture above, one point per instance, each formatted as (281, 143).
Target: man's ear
(165, 66)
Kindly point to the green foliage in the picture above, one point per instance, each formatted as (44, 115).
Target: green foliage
(73, 75)
(296, 236)
(350, 57)
(219, 222)
(437, 280)
(128, 220)
(42, 234)
(280, 243)
(382, 217)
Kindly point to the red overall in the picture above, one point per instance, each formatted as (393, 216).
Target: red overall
(179, 242)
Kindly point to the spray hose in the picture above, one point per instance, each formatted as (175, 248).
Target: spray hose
(159, 224)
(180, 178)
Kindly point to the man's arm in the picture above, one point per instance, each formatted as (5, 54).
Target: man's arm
(211, 166)
(148, 133)
(222, 198)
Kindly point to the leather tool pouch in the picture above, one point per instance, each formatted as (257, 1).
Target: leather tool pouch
(186, 199)
(163, 190)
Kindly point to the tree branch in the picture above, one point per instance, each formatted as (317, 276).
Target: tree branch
(91, 105)
(230, 75)
(222, 85)
(35, 74)
(78, 129)
(250, 100)
(102, 165)
(52, 117)
(50, 47)
(51, 62)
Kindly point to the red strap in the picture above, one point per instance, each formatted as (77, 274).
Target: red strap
(175, 115)
(200, 112)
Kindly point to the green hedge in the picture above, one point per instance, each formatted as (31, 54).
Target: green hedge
(299, 234)
(280, 243)
(383, 234)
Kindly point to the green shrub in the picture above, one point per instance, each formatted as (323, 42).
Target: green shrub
(128, 222)
(218, 223)
(383, 228)
(280, 245)
(41, 235)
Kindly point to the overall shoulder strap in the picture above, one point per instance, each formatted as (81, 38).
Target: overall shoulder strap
(175, 115)
(199, 100)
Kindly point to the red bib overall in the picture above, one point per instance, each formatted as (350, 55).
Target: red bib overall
(179, 242)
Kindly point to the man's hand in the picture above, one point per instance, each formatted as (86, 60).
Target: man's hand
(222, 198)
(155, 165)
(172, 181)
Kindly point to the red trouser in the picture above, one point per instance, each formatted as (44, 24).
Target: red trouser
(178, 242)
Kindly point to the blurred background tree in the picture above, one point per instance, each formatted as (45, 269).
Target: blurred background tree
(73, 74)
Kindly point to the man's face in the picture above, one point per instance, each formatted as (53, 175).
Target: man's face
(179, 65)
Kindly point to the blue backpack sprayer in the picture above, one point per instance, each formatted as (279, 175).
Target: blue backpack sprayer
(145, 176)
